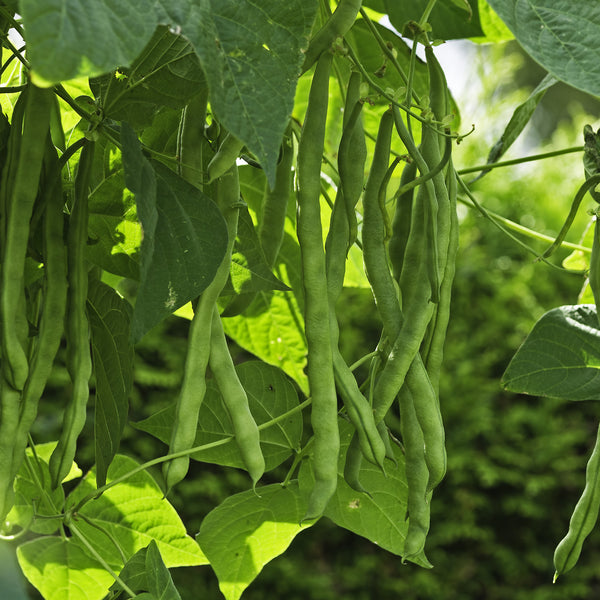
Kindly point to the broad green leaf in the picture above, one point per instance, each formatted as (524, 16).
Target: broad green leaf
(71, 38)
(248, 530)
(447, 20)
(561, 35)
(185, 237)
(167, 73)
(33, 493)
(251, 54)
(380, 518)
(519, 120)
(560, 357)
(110, 320)
(59, 568)
(134, 512)
(146, 571)
(270, 394)
(114, 231)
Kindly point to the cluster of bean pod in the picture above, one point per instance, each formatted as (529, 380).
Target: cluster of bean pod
(34, 317)
(409, 261)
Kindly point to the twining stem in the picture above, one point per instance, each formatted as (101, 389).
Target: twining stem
(167, 457)
(518, 161)
(99, 558)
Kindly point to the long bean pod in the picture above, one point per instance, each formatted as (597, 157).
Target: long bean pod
(193, 387)
(54, 302)
(584, 516)
(235, 400)
(316, 312)
(19, 207)
(79, 358)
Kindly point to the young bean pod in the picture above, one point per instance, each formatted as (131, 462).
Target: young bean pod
(321, 381)
(584, 516)
(225, 157)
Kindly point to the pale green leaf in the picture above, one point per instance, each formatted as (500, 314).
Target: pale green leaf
(248, 530)
(60, 569)
(134, 512)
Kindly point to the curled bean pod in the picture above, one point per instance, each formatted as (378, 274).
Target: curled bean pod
(316, 311)
(79, 357)
(584, 516)
(193, 387)
(235, 400)
(352, 465)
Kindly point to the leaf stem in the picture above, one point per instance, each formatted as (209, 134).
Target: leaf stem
(99, 558)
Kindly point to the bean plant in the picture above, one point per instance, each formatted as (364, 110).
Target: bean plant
(238, 164)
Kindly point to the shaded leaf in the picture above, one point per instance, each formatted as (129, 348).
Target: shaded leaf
(560, 357)
(167, 73)
(185, 237)
(112, 353)
(145, 571)
(560, 35)
(448, 21)
(270, 394)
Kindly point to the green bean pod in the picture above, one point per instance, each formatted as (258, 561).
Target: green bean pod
(235, 400)
(373, 233)
(79, 357)
(225, 158)
(275, 202)
(336, 26)
(271, 228)
(429, 417)
(435, 350)
(594, 272)
(320, 374)
(193, 386)
(401, 220)
(584, 516)
(54, 302)
(9, 405)
(190, 139)
(417, 478)
(352, 465)
(18, 206)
